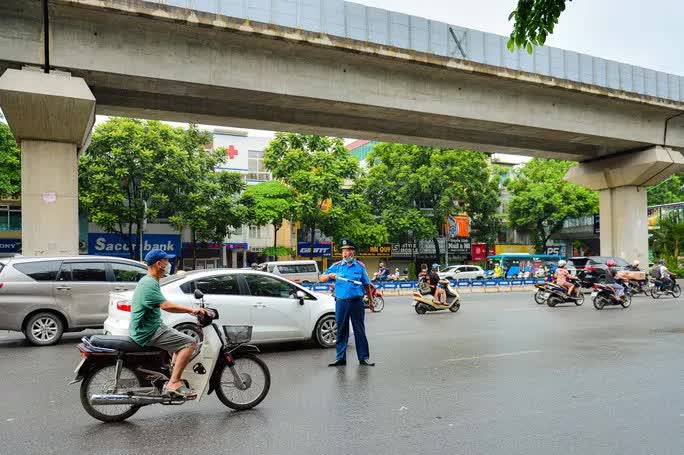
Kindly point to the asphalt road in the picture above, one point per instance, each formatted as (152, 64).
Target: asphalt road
(503, 375)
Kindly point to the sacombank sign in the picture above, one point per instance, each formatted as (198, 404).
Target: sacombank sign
(115, 245)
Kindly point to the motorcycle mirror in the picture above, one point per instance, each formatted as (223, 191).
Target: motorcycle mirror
(199, 295)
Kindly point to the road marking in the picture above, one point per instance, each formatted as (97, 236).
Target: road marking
(521, 309)
(397, 332)
(492, 356)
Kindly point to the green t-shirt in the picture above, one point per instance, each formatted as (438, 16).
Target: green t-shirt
(145, 312)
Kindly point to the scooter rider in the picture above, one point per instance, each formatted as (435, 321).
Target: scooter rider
(562, 275)
(146, 328)
(634, 267)
(434, 278)
(664, 277)
(618, 288)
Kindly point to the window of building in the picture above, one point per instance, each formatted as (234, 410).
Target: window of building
(10, 218)
(257, 169)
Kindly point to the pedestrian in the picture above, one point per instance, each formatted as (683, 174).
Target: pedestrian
(351, 280)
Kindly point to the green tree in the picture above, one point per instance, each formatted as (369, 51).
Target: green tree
(211, 206)
(315, 168)
(542, 200)
(534, 20)
(10, 164)
(668, 239)
(667, 192)
(414, 188)
(135, 169)
(270, 202)
(350, 216)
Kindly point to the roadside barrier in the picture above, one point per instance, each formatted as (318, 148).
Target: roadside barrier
(407, 287)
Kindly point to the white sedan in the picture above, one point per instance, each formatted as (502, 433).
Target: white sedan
(278, 309)
(462, 272)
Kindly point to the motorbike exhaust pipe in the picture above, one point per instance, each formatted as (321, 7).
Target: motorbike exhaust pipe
(115, 399)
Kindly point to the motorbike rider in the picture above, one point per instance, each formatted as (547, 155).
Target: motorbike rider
(617, 288)
(434, 278)
(562, 279)
(146, 327)
(423, 274)
(663, 274)
(383, 272)
(634, 267)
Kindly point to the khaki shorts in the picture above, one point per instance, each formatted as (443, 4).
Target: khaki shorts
(170, 340)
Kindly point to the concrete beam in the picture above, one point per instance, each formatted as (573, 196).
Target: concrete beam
(638, 169)
(47, 107)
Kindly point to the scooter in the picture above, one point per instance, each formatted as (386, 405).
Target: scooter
(378, 300)
(118, 377)
(604, 294)
(541, 294)
(659, 289)
(558, 294)
(423, 301)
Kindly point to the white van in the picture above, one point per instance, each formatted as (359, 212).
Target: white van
(297, 271)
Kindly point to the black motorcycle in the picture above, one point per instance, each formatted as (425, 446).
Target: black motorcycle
(555, 294)
(604, 294)
(661, 288)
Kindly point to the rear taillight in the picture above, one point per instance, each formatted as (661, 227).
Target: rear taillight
(596, 286)
(1, 285)
(123, 305)
(590, 268)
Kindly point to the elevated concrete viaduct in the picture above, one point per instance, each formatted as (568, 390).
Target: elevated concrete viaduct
(151, 60)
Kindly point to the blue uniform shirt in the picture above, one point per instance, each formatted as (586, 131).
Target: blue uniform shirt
(356, 271)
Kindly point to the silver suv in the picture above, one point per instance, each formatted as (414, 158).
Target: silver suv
(44, 297)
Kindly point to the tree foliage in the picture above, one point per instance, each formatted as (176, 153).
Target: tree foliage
(667, 192)
(542, 200)
(534, 20)
(10, 164)
(136, 170)
(316, 169)
(414, 188)
(270, 202)
(668, 239)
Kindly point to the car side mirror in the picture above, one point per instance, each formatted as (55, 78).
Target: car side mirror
(199, 295)
(301, 296)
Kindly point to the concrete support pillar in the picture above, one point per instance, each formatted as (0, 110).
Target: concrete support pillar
(624, 226)
(244, 258)
(234, 258)
(51, 116)
(621, 182)
(49, 198)
(224, 256)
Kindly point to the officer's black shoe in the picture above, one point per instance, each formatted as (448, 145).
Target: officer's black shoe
(366, 363)
(338, 363)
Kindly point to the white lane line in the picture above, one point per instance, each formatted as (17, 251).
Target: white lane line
(492, 356)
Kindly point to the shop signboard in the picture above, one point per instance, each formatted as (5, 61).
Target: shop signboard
(478, 251)
(236, 246)
(320, 249)
(384, 251)
(457, 226)
(403, 250)
(108, 244)
(460, 246)
(10, 245)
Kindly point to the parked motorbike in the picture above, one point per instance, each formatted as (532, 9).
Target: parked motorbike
(423, 301)
(118, 377)
(660, 289)
(604, 294)
(555, 294)
(378, 300)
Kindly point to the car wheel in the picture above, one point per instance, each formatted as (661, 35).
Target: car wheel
(192, 330)
(326, 331)
(44, 329)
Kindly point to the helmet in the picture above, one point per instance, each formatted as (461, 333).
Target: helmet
(435, 266)
(635, 263)
(561, 263)
(661, 261)
(611, 263)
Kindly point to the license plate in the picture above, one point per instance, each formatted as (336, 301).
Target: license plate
(80, 364)
(594, 294)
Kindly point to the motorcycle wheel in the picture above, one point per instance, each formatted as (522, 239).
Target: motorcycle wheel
(100, 381)
(654, 292)
(627, 302)
(378, 304)
(580, 299)
(538, 299)
(420, 309)
(455, 307)
(599, 302)
(256, 376)
(676, 291)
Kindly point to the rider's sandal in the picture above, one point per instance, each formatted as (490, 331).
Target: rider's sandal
(180, 392)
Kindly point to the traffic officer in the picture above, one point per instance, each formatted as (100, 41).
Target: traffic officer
(351, 279)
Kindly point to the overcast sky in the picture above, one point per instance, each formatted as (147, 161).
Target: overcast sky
(644, 33)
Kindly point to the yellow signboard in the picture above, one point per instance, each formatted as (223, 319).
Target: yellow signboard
(511, 249)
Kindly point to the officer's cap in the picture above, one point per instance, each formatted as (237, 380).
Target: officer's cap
(346, 243)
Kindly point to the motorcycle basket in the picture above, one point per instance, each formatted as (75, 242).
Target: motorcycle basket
(237, 334)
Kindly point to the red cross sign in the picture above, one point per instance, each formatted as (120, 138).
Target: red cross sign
(231, 152)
